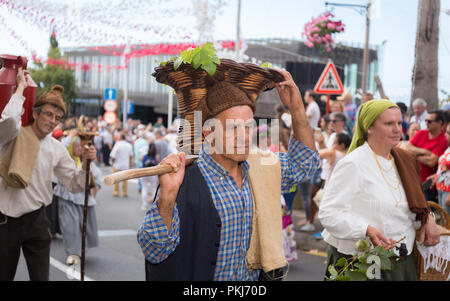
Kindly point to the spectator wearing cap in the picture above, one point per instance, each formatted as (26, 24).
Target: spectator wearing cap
(58, 134)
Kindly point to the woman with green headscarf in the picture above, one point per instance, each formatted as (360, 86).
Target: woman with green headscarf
(375, 191)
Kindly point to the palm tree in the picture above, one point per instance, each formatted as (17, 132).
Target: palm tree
(425, 73)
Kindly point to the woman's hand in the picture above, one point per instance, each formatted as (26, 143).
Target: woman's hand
(433, 179)
(378, 239)
(429, 233)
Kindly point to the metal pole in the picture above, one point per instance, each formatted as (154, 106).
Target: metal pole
(125, 86)
(366, 50)
(238, 31)
(125, 97)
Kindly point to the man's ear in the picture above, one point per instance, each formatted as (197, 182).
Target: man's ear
(207, 135)
(35, 115)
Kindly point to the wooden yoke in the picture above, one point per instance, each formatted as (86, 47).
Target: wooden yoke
(143, 172)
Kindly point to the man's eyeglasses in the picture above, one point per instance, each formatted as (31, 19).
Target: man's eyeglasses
(334, 121)
(51, 115)
(429, 121)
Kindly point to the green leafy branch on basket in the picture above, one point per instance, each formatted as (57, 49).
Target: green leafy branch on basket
(203, 56)
(358, 267)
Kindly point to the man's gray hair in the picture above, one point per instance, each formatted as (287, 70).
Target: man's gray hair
(38, 109)
(420, 101)
(338, 115)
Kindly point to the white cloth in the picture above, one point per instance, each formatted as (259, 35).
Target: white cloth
(172, 143)
(287, 119)
(107, 137)
(121, 153)
(330, 140)
(78, 198)
(52, 158)
(327, 168)
(357, 196)
(420, 120)
(149, 186)
(313, 114)
(441, 256)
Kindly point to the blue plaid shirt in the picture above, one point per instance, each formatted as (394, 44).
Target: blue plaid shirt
(235, 208)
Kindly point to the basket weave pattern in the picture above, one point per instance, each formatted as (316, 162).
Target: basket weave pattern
(192, 86)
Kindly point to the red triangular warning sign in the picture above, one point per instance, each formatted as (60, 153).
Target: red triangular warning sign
(329, 82)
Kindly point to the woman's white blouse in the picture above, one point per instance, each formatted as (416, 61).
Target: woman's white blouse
(357, 196)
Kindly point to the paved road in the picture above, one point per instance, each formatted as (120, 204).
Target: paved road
(118, 256)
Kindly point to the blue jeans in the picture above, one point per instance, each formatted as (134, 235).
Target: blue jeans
(289, 199)
(305, 192)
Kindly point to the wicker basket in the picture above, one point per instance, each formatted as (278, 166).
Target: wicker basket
(431, 274)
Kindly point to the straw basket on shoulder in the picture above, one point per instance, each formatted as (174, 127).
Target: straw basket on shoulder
(433, 263)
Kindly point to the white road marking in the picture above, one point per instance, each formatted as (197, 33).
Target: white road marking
(70, 272)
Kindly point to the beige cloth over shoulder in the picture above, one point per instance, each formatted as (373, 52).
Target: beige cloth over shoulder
(17, 164)
(266, 243)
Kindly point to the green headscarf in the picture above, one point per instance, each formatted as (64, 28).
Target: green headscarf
(367, 115)
(73, 141)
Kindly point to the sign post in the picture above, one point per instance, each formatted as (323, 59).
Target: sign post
(329, 83)
(110, 106)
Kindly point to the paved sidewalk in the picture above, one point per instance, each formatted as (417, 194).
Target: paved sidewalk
(305, 240)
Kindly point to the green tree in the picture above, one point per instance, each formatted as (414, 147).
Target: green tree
(48, 75)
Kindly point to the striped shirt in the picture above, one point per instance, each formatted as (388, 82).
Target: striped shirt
(235, 209)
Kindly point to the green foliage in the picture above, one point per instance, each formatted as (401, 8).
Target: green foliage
(46, 76)
(356, 267)
(201, 57)
(266, 65)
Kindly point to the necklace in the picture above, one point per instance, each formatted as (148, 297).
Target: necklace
(381, 166)
(392, 188)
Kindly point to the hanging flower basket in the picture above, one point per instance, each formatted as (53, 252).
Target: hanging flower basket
(319, 31)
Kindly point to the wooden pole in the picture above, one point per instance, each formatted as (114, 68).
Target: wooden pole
(83, 237)
(380, 87)
(86, 142)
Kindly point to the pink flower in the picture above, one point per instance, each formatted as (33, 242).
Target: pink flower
(331, 26)
(309, 44)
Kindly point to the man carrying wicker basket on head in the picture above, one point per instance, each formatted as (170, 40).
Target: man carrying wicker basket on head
(220, 218)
